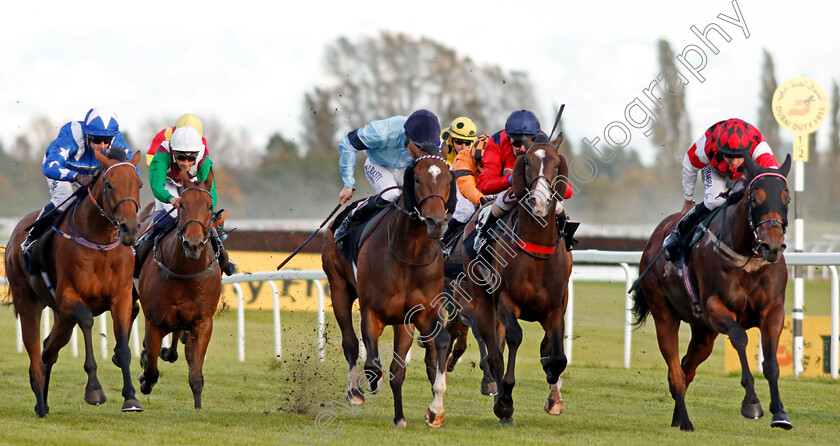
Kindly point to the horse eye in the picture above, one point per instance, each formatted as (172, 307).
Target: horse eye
(416, 180)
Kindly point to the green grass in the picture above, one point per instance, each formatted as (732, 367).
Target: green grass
(262, 401)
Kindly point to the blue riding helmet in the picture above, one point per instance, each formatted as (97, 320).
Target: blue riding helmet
(522, 122)
(101, 122)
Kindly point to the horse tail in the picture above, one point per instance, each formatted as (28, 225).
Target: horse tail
(641, 309)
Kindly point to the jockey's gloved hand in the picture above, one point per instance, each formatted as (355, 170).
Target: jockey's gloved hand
(484, 200)
(83, 179)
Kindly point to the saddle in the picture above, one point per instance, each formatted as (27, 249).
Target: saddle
(39, 249)
(358, 231)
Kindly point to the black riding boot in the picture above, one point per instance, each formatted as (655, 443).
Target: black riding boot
(675, 239)
(362, 212)
(44, 221)
(566, 229)
(453, 230)
(143, 247)
(225, 262)
(482, 228)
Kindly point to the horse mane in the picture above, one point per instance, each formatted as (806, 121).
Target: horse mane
(408, 195)
(429, 148)
(117, 153)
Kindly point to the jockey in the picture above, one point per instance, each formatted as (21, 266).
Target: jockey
(521, 130)
(70, 163)
(719, 156)
(459, 137)
(391, 145)
(460, 134)
(187, 119)
(189, 152)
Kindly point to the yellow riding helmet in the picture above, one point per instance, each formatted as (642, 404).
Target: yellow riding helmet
(190, 120)
(463, 128)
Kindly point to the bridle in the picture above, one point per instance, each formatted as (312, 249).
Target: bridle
(415, 213)
(182, 226)
(105, 197)
(757, 211)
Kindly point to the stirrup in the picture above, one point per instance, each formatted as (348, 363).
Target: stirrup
(342, 229)
(230, 268)
(669, 245)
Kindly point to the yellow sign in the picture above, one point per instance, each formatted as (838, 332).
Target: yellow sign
(800, 105)
(296, 295)
(816, 331)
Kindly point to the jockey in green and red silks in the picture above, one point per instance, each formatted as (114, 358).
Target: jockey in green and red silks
(185, 150)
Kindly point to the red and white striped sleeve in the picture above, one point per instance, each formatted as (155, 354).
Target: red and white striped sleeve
(695, 159)
(763, 156)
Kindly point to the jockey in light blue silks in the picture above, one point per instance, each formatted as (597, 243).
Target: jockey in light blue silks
(70, 163)
(391, 145)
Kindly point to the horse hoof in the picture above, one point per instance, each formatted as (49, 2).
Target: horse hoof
(132, 405)
(553, 407)
(506, 421)
(355, 398)
(400, 423)
(95, 397)
(168, 354)
(434, 420)
(144, 388)
(488, 389)
(781, 420)
(752, 411)
(42, 413)
(450, 366)
(688, 427)
(502, 411)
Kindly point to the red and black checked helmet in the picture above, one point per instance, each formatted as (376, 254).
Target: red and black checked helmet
(735, 137)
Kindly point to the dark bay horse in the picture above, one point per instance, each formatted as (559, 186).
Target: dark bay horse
(398, 280)
(180, 285)
(90, 270)
(524, 275)
(736, 278)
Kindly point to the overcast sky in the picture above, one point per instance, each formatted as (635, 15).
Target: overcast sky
(248, 63)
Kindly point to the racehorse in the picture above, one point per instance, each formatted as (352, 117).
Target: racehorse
(179, 286)
(89, 270)
(732, 279)
(525, 276)
(398, 280)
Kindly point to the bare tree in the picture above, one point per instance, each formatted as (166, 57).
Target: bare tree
(394, 74)
(672, 131)
(834, 129)
(766, 121)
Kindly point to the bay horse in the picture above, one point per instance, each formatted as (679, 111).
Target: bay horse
(732, 279)
(525, 276)
(88, 263)
(180, 285)
(398, 279)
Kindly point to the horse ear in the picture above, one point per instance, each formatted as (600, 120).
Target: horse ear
(561, 180)
(752, 167)
(208, 183)
(136, 158)
(557, 141)
(785, 166)
(103, 160)
(517, 178)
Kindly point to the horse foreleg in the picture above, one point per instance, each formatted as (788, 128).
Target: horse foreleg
(371, 330)
(485, 314)
(60, 334)
(553, 359)
(750, 406)
(170, 354)
(94, 395)
(198, 341)
(121, 313)
(513, 338)
(30, 325)
(771, 327)
(458, 333)
(342, 301)
(402, 343)
(430, 358)
(488, 386)
(667, 334)
(150, 375)
(431, 325)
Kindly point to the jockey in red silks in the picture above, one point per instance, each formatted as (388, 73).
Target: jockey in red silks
(719, 157)
(521, 131)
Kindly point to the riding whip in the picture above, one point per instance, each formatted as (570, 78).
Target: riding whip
(557, 121)
(294, 253)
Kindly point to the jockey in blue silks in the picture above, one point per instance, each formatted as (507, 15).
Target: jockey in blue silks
(391, 145)
(70, 163)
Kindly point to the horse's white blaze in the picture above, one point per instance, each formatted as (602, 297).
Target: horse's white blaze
(542, 192)
(434, 171)
(540, 153)
(439, 388)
